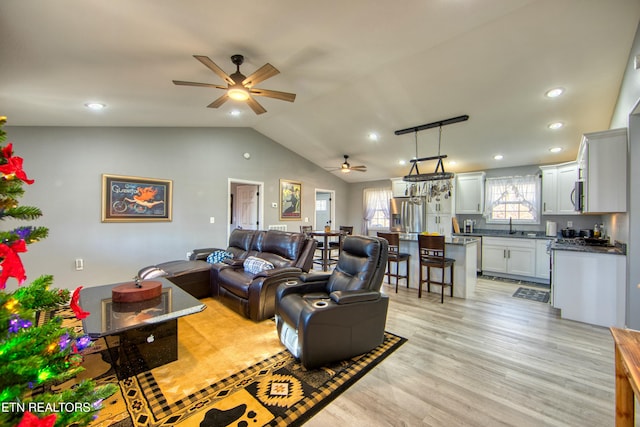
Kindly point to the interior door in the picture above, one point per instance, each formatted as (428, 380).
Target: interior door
(324, 209)
(247, 206)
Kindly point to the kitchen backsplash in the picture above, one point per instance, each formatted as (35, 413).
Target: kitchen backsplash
(579, 222)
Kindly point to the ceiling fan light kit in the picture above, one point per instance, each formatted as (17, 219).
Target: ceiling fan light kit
(439, 173)
(239, 87)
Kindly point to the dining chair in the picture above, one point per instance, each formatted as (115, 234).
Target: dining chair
(395, 257)
(432, 255)
(345, 230)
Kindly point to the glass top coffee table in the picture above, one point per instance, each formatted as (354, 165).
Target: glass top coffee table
(140, 336)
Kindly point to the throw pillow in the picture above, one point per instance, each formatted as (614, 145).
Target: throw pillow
(255, 265)
(218, 256)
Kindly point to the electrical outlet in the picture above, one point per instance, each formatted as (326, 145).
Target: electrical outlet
(274, 205)
(569, 224)
(79, 264)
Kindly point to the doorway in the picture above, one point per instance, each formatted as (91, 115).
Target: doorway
(245, 205)
(325, 209)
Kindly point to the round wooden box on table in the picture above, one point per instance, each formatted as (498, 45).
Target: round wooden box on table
(136, 291)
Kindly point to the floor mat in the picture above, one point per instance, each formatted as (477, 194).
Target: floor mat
(532, 294)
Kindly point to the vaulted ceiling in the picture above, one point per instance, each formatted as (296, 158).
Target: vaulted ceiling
(357, 67)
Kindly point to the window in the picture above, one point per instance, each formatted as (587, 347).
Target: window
(376, 208)
(514, 197)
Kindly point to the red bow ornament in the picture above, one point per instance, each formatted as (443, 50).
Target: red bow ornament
(13, 167)
(11, 263)
(75, 298)
(31, 420)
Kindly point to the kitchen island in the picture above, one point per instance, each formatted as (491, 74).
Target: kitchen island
(462, 249)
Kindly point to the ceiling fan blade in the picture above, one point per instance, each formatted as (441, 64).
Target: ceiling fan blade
(359, 168)
(284, 96)
(183, 83)
(255, 106)
(213, 67)
(218, 102)
(260, 75)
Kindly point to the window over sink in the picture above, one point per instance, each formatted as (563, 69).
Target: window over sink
(512, 198)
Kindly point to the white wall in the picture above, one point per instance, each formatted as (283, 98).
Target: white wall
(628, 99)
(67, 163)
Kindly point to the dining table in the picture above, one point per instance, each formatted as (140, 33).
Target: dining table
(325, 260)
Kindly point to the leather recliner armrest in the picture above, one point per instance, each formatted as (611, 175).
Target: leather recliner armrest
(282, 271)
(233, 262)
(351, 297)
(201, 253)
(315, 277)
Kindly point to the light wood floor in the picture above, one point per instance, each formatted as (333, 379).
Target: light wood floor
(493, 360)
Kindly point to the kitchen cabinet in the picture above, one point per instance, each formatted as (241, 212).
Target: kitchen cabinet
(399, 188)
(439, 223)
(469, 193)
(558, 184)
(511, 256)
(589, 287)
(441, 200)
(602, 163)
(543, 260)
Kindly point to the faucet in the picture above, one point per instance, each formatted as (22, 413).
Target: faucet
(511, 230)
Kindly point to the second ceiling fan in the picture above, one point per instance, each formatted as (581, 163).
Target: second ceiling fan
(239, 87)
(346, 166)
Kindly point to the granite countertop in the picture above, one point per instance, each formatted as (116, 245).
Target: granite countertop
(617, 249)
(454, 240)
(505, 233)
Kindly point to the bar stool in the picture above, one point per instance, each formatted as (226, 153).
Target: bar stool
(395, 257)
(432, 256)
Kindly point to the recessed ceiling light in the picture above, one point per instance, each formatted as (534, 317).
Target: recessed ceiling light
(96, 106)
(554, 93)
(555, 149)
(402, 162)
(235, 113)
(555, 125)
(498, 157)
(452, 162)
(373, 136)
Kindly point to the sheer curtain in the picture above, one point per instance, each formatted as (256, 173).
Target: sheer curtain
(375, 200)
(520, 190)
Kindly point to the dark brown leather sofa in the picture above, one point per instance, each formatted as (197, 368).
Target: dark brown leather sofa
(253, 294)
(250, 294)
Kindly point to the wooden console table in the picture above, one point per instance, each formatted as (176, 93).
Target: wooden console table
(627, 353)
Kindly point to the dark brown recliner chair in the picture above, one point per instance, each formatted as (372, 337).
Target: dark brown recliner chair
(324, 318)
(253, 294)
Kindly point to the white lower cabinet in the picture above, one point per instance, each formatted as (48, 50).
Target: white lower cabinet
(509, 256)
(589, 287)
(440, 224)
(543, 260)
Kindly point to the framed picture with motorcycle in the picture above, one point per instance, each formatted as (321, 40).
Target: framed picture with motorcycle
(135, 199)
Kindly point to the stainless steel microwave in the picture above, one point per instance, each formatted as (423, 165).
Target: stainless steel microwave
(578, 196)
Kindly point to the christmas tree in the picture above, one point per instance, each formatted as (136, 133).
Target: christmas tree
(36, 353)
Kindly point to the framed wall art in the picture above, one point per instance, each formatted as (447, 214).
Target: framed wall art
(290, 200)
(131, 199)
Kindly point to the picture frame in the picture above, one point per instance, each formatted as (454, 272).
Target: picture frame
(290, 200)
(136, 199)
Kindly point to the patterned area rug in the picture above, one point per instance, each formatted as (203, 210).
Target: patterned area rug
(275, 392)
(230, 371)
(532, 294)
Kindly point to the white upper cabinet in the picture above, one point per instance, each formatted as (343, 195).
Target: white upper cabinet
(399, 188)
(602, 163)
(558, 188)
(469, 193)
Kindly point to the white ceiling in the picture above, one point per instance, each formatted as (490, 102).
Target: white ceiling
(357, 66)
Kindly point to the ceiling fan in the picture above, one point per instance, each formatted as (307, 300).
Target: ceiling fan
(346, 167)
(239, 87)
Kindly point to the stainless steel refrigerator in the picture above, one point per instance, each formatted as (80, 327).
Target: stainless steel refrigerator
(408, 215)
